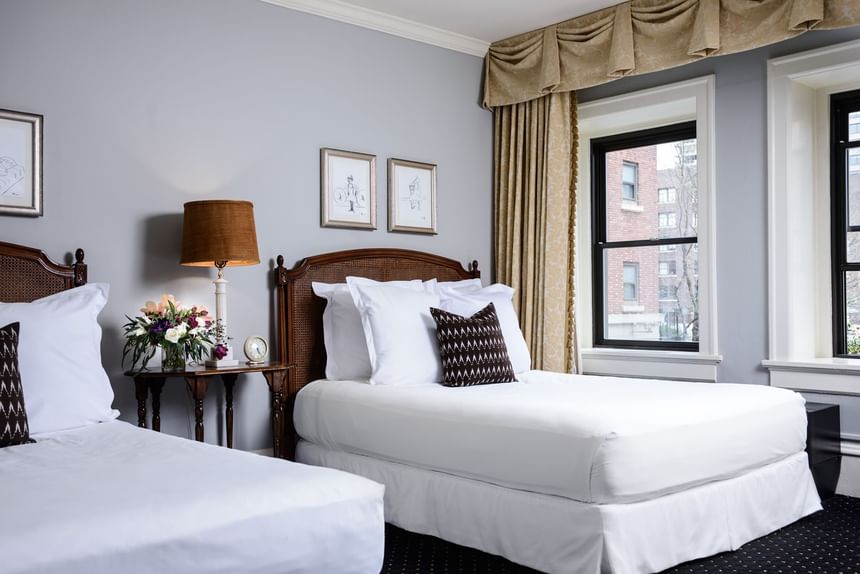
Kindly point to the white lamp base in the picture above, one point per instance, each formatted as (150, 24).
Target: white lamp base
(221, 362)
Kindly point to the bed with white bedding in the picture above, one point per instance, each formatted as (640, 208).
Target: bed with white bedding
(94, 495)
(112, 497)
(562, 473)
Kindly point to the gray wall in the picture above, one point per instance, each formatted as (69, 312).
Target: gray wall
(151, 103)
(741, 195)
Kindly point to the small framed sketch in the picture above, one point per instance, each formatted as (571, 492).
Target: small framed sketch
(20, 163)
(411, 196)
(347, 189)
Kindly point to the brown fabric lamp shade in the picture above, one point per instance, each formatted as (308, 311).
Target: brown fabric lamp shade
(216, 231)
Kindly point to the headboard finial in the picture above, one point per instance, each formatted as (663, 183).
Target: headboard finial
(280, 272)
(473, 269)
(80, 268)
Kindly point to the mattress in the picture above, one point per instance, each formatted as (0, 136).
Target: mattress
(113, 498)
(591, 439)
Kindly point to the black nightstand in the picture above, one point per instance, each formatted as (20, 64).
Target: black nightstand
(823, 446)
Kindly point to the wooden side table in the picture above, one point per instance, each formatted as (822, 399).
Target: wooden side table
(198, 379)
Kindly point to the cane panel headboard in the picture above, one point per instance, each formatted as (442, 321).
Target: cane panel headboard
(27, 274)
(299, 313)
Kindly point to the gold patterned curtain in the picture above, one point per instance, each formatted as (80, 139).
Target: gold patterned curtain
(642, 36)
(534, 210)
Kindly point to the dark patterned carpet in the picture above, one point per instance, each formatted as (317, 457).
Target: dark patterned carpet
(827, 542)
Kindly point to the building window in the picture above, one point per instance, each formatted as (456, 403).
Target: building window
(631, 281)
(667, 195)
(667, 220)
(845, 223)
(667, 268)
(668, 293)
(629, 181)
(626, 250)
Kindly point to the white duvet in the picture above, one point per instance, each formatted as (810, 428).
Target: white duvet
(592, 439)
(111, 498)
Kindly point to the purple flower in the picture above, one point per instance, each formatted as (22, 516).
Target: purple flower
(192, 322)
(219, 351)
(159, 327)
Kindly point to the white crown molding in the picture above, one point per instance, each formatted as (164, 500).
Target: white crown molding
(381, 22)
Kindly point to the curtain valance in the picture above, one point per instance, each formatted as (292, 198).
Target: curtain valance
(643, 36)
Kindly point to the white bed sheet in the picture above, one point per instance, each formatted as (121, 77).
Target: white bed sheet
(562, 536)
(111, 498)
(593, 439)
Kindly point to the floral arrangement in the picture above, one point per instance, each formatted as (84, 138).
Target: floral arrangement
(182, 332)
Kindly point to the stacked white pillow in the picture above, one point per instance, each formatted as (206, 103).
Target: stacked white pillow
(467, 302)
(59, 357)
(399, 331)
(346, 348)
(383, 332)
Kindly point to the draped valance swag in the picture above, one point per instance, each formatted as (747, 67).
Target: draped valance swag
(642, 36)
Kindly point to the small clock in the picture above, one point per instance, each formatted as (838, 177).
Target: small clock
(256, 349)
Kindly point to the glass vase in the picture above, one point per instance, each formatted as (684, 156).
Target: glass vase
(172, 358)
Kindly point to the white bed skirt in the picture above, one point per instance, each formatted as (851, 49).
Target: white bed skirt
(560, 535)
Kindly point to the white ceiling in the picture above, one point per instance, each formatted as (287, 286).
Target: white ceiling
(487, 20)
(464, 25)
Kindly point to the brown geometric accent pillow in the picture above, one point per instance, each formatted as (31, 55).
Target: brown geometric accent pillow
(473, 348)
(13, 416)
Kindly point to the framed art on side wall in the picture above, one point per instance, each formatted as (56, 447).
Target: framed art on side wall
(347, 189)
(411, 196)
(20, 163)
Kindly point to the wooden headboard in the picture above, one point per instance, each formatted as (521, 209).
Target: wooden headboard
(27, 274)
(299, 313)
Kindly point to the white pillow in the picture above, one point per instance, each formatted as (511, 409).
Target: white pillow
(468, 302)
(345, 346)
(59, 356)
(465, 284)
(400, 332)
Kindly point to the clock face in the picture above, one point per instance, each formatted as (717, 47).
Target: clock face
(256, 349)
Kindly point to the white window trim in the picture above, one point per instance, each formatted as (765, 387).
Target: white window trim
(674, 103)
(800, 305)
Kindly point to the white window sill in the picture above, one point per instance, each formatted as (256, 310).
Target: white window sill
(674, 365)
(827, 375)
(633, 308)
(627, 205)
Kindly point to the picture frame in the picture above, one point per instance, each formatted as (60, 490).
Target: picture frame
(20, 163)
(347, 189)
(411, 196)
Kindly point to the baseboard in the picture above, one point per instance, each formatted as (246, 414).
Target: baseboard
(849, 477)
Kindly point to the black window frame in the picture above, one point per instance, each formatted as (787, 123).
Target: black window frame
(841, 106)
(599, 148)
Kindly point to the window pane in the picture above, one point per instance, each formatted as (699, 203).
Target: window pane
(652, 192)
(852, 311)
(853, 185)
(665, 305)
(853, 126)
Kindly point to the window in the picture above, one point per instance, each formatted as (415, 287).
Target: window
(845, 223)
(631, 281)
(667, 195)
(626, 250)
(667, 220)
(668, 293)
(629, 181)
(667, 268)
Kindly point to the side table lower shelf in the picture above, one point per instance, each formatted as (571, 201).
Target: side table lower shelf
(152, 382)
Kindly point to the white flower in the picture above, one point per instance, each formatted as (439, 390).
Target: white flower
(139, 331)
(194, 332)
(172, 335)
(182, 328)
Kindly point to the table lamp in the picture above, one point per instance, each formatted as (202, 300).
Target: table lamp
(219, 233)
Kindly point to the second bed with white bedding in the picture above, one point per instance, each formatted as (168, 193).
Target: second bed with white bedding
(111, 497)
(591, 439)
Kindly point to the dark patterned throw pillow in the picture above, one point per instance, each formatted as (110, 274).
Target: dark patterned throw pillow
(13, 416)
(473, 349)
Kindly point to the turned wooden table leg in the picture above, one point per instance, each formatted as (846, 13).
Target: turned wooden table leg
(140, 391)
(198, 386)
(155, 386)
(277, 388)
(229, 381)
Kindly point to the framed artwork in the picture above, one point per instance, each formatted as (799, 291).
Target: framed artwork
(411, 196)
(347, 189)
(20, 163)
